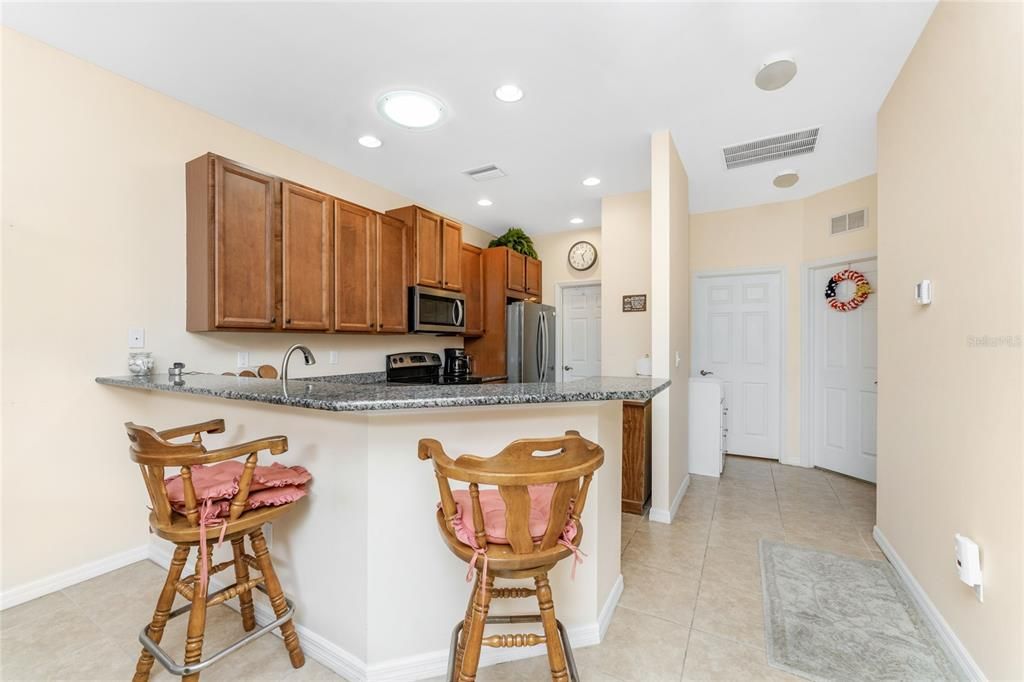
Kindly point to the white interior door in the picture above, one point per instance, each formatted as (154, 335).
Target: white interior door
(581, 332)
(737, 337)
(844, 375)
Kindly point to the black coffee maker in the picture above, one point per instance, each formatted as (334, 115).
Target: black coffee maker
(457, 363)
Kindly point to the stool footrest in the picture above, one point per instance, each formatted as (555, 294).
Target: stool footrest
(507, 641)
(570, 661)
(513, 593)
(181, 670)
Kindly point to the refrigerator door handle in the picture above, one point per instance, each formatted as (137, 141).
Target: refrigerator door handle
(538, 355)
(544, 325)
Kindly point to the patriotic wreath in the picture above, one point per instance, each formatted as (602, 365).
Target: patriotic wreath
(859, 296)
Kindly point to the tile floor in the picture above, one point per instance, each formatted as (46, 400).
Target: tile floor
(691, 608)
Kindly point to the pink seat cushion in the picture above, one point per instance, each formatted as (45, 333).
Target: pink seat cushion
(272, 485)
(493, 507)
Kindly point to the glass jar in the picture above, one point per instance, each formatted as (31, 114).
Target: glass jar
(140, 363)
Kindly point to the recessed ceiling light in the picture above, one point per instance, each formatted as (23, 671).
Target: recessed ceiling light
(509, 93)
(484, 202)
(411, 109)
(591, 181)
(370, 141)
(774, 75)
(786, 179)
(576, 221)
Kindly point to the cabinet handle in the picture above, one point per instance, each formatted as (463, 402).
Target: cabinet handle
(288, 321)
(274, 319)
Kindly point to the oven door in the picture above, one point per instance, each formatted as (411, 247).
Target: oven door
(435, 311)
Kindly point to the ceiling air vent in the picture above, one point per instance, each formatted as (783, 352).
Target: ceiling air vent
(488, 172)
(770, 148)
(854, 220)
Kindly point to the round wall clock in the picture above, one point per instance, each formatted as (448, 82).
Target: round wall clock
(582, 256)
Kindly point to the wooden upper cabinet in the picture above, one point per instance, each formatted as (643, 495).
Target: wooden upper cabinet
(355, 254)
(516, 270)
(473, 289)
(533, 276)
(391, 265)
(232, 259)
(451, 255)
(307, 255)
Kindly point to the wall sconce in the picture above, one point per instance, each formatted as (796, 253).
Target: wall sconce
(923, 292)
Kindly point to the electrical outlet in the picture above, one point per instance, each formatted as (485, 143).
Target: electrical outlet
(136, 337)
(332, 357)
(243, 359)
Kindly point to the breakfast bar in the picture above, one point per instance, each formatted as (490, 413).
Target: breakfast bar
(376, 592)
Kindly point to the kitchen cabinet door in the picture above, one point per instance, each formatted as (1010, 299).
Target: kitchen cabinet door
(355, 298)
(533, 276)
(245, 258)
(428, 249)
(392, 289)
(451, 255)
(516, 271)
(473, 289)
(306, 239)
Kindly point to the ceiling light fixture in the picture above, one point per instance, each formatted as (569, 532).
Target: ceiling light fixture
(484, 202)
(411, 109)
(592, 181)
(576, 221)
(370, 141)
(786, 179)
(509, 93)
(775, 75)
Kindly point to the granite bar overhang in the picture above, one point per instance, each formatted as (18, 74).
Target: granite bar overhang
(361, 393)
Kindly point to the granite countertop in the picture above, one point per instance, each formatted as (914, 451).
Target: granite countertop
(366, 392)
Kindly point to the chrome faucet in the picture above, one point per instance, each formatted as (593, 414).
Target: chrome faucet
(307, 355)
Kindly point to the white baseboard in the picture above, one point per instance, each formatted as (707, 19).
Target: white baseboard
(952, 643)
(666, 515)
(418, 667)
(58, 581)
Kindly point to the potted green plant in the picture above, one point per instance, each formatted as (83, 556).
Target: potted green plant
(517, 240)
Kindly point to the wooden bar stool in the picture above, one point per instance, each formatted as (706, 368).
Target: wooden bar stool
(521, 530)
(153, 451)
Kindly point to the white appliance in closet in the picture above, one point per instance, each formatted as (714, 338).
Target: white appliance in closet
(707, 426)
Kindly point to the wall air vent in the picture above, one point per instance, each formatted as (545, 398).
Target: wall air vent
(854, 220)
(770, 148)
(488, 172)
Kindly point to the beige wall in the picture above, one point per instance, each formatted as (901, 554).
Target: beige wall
(787, 235)
(94, 242)
(670, 333)
(553, 249)
(625, 232)
(949, 416)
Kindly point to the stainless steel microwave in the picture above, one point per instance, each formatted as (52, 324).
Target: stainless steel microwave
(436, 311)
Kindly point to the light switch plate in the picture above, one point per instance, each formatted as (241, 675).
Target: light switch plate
(332, 357)
(136, 337)
(242, 360)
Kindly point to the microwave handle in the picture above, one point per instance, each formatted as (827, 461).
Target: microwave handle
(458, 313)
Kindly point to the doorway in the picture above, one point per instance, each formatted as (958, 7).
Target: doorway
(843, 373)
(737, 338)
(580, 315)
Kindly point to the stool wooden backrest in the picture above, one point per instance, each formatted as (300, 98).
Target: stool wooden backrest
(571, 468)
(152, 451)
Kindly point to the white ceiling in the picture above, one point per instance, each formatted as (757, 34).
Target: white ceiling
(599, 79)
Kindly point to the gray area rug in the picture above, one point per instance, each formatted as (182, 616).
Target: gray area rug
(831, 617)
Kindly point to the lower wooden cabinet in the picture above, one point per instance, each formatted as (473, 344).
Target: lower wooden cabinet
(307, 258)
(473, 288)
(636, 457)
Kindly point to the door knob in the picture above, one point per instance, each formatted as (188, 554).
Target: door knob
(567, 368)
(705, 373)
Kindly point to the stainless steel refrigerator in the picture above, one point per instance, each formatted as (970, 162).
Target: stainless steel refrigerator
(531, 342)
